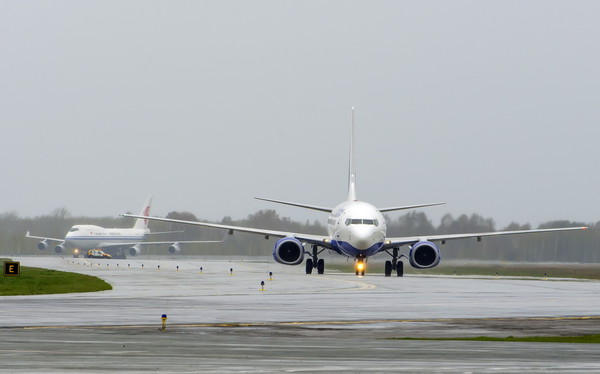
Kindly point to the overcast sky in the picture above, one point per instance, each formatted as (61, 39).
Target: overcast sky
(490, 106)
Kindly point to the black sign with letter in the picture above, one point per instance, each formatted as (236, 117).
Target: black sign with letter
(12, 269)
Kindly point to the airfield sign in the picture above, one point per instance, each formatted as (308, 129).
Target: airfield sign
(12, 269)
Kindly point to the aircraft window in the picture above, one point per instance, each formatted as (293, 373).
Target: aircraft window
(376, 222)
(74, 229)
(357, 221)
(348, 222)
(368, 222)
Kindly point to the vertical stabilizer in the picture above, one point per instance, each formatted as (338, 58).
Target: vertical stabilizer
(352, 165)
(143, 223)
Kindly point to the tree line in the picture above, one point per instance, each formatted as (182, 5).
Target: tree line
(581, 247)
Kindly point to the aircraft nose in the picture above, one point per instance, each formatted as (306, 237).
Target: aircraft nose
(362, 237)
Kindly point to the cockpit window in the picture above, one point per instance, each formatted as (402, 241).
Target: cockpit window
(74, 229)
(358, 221)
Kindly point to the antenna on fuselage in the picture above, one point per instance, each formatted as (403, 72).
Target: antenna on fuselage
(352, 165)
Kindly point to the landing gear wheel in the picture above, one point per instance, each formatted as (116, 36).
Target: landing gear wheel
(321, 266)
(388, 268)
(400, 268)
(309, 266)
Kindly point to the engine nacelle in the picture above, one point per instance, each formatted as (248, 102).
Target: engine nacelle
(135, 250)
(174, 248)
(59, 248)
(288, 251)
(424, 255)
(42, 245)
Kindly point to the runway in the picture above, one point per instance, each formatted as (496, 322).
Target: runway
(221, 321)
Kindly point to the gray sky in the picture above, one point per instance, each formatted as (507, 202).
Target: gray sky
(490, 106)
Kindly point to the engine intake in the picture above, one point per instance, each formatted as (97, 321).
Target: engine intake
(59, 248)
(288, 251)
(42, 245)
(135, 250)
(174, 248)
(424, 255)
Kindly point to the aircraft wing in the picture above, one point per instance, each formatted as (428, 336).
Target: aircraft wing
(400, 241)
(44, 238)
(313, 239)
(109, 245)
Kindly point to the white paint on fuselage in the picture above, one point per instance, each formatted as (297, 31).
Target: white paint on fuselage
(357, 227)
(86, 237)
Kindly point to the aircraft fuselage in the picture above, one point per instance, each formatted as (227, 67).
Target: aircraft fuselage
(357, 229)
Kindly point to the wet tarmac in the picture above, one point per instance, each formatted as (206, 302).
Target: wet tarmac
(221, 321)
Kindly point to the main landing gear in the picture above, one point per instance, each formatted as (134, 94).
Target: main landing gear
(394, 265)
(314, 262)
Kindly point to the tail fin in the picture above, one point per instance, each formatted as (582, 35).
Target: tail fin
(352, 165)
(143, 223)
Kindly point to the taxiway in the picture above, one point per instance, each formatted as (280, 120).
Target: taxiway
(221, 321)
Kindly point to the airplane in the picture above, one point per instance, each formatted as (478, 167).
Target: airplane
(356, 229)
(82, 238)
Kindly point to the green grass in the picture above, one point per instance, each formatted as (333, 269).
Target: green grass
(584, 339)
(37, 281)
(515, 270)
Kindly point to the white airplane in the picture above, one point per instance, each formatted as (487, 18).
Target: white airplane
(355, 229)
(82, 238)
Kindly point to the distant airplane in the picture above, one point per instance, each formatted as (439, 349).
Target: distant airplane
(82, 238)
(355, 229)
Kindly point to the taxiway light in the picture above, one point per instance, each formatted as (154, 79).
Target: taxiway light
(231, 271)
(270, 275)
(200, 269)
(164, 322)
(177, 267)
(262, 285)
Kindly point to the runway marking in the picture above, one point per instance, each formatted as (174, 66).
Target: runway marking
(362, 285)
(305, 323)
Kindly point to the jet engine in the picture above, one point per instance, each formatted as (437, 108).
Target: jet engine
(42, 245)
(59, 248)
(135, 250)
(174, 248)
(424, 255)
(288, 251)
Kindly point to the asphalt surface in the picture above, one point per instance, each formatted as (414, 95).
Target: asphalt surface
(221, 321)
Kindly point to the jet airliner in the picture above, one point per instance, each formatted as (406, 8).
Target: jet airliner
(82, 238)
(356, 229)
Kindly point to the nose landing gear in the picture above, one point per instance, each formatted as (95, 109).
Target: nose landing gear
(360, 266)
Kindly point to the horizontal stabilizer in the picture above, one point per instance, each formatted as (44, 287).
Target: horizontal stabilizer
(313, 207)
(408, 207)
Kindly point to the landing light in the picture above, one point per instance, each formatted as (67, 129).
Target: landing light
(360, 266)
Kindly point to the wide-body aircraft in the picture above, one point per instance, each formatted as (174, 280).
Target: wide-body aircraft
(355, 229)
(116, 241)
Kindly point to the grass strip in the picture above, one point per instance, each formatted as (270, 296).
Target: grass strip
(501, 270)
(583, 339)
(38, 281)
